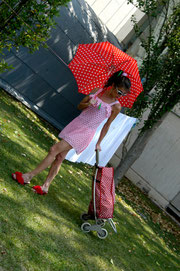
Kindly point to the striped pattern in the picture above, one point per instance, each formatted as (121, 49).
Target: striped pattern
(94, 63)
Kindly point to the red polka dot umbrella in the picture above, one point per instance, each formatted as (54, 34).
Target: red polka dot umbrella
(94, 63)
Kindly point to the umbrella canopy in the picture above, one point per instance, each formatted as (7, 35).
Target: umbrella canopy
(94, 63)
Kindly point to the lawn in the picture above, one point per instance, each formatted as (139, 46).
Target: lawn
(43, 233)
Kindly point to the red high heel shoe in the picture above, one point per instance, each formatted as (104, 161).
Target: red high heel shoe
(39, 190)
(17, 176)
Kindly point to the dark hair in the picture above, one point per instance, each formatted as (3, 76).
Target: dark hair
(119, 80)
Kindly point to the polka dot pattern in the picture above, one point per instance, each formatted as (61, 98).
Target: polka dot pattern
(94, 63)
(104, 194)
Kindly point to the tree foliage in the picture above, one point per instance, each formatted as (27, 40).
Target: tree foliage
(160, 67)
(26, 23)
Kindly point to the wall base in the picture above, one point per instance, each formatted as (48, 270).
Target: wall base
(153, 194)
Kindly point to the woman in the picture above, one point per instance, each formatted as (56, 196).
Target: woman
(101, 104)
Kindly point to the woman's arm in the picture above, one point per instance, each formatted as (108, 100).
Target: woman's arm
(115, 111)
(86, 101)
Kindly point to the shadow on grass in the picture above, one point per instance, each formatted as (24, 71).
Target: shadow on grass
(62, 208)
(43, 244)
(12, 157)
(46, 231)
(16, 116)
(43, 232)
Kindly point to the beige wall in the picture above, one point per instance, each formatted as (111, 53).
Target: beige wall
(116, 15)
(157, 171)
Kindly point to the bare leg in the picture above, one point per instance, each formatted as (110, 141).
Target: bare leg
(54, 170)
(57, 148)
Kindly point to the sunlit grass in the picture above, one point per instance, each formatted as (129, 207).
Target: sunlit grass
(42, 233)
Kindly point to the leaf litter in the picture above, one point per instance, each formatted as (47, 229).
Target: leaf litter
(142, 208)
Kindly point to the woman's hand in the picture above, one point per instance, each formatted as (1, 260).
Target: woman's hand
(84, 103)
(92, 101)
(98, 147)
(115, 111)
(87, 101)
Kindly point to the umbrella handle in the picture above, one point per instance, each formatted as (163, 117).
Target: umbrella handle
(97, 157)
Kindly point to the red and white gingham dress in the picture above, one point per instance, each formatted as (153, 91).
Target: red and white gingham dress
(80, 131)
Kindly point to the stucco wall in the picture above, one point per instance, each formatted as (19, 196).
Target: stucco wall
(157, 171)
(116, 15)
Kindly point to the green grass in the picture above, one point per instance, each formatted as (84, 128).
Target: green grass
(42, 233)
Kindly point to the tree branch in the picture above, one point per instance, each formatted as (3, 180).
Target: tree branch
(164, 22)
(14, 14)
